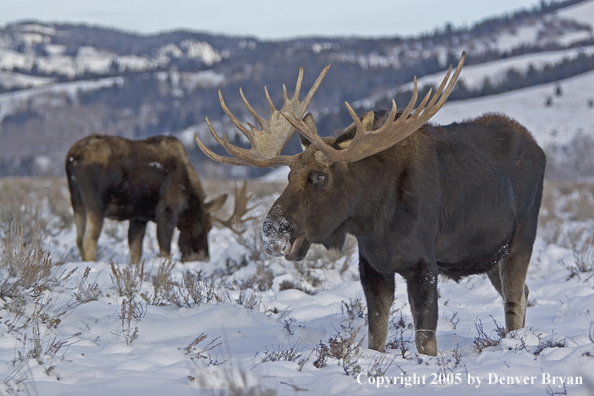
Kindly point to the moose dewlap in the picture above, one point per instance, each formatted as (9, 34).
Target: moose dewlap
(421, 199)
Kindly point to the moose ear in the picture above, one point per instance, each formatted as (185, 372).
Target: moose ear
(215, 204)
(309, 121)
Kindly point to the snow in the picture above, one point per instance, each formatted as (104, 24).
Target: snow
(474, 75)
(582, 12)
(10, 102)
(37, 28)
(18, 80)
(201, 50)
(90, 59)
(568, 115)
(523, 36)
(155, 352)
(136, 63)
(10, 60)
(223, 342)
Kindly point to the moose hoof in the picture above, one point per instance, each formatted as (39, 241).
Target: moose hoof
(426, 342)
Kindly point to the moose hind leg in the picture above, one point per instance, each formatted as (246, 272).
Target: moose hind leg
(509, 278)
(80, 220)
(80, 216)
(379, 293)
(92, 231)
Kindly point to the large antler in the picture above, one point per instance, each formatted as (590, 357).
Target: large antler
(240, 210)
(274, 132)
(367, 143)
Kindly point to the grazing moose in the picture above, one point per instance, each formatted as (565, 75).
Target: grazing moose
(141, 181)
(421, 199)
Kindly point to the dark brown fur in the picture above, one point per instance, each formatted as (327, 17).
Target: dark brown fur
(141, 181)
(459, 200)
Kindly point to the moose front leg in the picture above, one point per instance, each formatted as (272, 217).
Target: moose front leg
(135, 237)
(379, 293)
(422, 296)
(166, 219)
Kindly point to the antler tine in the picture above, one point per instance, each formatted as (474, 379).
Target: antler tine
(304, 129)
(298, 85)
(251, 157)
(270, 103)
(390, 121)
(275, 132)
(314, 87)
(367, 143)
(233, 119)
(241, 157)
(437, 101)
(214, 156)
(240, 209)
(450, 87)
(423, 103)
(259, 119)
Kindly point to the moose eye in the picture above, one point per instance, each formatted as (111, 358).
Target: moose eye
(319, 179)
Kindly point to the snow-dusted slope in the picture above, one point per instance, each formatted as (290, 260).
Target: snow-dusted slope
(582, 12)
(473, 76)
(571, 112)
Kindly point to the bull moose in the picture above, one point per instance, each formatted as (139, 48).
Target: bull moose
(140, 181)
(421, 200)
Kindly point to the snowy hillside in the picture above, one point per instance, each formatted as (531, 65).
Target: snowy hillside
(570, 111)
(59, 83)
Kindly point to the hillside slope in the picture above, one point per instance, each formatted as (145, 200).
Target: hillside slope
(59, 83)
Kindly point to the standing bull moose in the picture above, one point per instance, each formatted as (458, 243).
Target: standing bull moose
(141, 181)
(421, 199)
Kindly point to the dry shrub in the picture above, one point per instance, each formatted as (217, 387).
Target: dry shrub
(127, 279)
(572, 160)
(344, 347)
(25, 264)
(198, 353)
(567, 215)
(283, 353)
(582, 267)
(38, 205)
(483, 340)
(31, 292)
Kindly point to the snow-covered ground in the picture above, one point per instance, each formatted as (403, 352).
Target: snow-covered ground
(262, 320)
